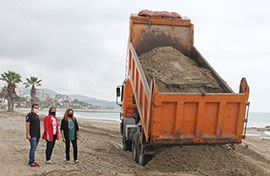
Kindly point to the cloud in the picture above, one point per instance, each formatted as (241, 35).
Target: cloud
(80, 46)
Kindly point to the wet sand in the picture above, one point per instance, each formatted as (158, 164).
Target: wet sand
(100, 153)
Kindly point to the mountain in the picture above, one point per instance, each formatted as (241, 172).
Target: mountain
(47, 91)
(50, 92)
(102, 103)
(91, 100)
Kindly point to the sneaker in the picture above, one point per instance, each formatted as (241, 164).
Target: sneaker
(67, 161)
(36, 164)
(76, 161)
(49, 162)
(32, 165)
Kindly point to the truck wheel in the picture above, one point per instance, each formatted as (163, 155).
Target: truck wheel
(126, 144)
(142, 158)
(135, 146)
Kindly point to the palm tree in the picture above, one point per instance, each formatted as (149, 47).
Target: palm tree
(12, 79)
(34, 82)
(3, 95)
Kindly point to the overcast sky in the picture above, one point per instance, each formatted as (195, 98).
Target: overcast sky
(80, 46)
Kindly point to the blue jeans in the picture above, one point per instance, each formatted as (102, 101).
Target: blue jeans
(33, 146)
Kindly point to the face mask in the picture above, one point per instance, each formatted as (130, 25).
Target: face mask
(52, 113)
(36, 111)
(70, 115)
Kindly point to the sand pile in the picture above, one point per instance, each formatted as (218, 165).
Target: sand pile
(175, 72)
(203, 159)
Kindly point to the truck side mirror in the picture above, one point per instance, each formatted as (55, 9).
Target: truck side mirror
(118, 94)
(118, 91)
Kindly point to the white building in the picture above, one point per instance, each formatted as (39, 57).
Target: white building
(19, 91)
(3, 103)
(41, 94)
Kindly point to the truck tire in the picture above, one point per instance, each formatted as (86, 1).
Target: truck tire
(142, 158)
(126, 144)
(135, 146)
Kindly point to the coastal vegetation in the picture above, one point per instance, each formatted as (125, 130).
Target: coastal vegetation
(12, 96)
(11, 78)
(34, 82)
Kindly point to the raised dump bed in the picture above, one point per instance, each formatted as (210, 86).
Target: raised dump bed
(171, 95)
(175, 72)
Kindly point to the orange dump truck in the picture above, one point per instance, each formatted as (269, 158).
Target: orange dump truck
(151, 118)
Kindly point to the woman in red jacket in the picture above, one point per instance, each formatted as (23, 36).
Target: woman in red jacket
(50, 133)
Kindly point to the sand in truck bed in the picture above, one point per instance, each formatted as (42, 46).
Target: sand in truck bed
(175, 72)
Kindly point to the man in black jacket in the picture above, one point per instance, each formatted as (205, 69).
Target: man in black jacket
(33, 133)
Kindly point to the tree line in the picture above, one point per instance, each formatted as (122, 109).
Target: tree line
(13, 78)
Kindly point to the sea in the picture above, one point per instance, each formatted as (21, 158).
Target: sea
(95, 115)
(258, 119)
(255, 119)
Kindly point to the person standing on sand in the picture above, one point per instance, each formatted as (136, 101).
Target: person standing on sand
(70, 133)
(33, 133)
(51, 133)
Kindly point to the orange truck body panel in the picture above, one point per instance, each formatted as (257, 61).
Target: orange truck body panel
(179, 118)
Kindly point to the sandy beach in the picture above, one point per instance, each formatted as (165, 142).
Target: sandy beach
(100, 153)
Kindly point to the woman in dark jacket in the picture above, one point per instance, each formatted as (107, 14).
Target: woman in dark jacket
(70, 133)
